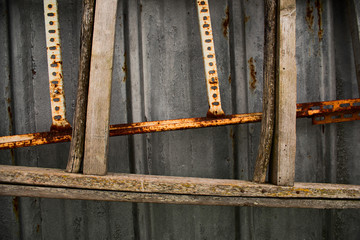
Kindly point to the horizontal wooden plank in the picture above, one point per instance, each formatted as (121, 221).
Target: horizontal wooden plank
(104, 195)
(172, 185)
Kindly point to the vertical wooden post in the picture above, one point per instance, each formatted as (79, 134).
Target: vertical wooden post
(353, 20)
(98, 110)
(268, 117)
(76, 154)
(283, 164)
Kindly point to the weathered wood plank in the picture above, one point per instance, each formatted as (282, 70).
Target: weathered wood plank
(283, 164)
(172, 185)
(98, 195)
(353, 18)
(98, 110)
(76, 154)
(268, 112)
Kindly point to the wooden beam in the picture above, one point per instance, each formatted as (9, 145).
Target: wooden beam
(268, 112)
(98, 110)
(102, 195)
(283, 164)
(76, 154)
(172, 185)
(353, 20)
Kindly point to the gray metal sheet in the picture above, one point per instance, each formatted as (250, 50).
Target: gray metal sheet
(158, 74)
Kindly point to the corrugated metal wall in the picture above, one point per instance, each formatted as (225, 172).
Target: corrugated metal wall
(158, 74)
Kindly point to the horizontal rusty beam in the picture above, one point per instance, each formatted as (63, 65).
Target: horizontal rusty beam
(313, 110)
(118, 196)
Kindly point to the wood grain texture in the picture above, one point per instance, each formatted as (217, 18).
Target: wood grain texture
(98, 110)
(76, 154)
(98, 195)
(172, 185)
(283, 164)
(352, 17)
(268, 112)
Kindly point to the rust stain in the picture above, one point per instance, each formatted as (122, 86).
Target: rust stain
(319, 7)
(37, 228)
(124, 68)
(246, 19)
(309, 17)
(10, 118)
(252, 74)
(15, 203)
(225, 22)
(230, 79)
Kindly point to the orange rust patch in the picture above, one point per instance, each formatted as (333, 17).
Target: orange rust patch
(252, 74)
(319, 7)
(124, 68)
(230, 79)
(15, 203)
(309, 17)
(225, 22)
(246, 19)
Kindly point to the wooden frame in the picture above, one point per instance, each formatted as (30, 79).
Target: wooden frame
(56, 183)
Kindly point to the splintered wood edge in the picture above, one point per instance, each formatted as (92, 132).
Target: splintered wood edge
(47, 177)
(114, 196)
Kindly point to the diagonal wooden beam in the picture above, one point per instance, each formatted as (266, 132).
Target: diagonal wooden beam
(268, 112)
(76, 154)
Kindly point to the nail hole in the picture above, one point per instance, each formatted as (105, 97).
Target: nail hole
(315, 108)
(322, 118)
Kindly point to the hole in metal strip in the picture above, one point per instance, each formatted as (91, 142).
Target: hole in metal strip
(328, 106)
(321, 118)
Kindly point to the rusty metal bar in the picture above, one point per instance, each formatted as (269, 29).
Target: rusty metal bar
(208, 50)
(312, 110)
(57, 98)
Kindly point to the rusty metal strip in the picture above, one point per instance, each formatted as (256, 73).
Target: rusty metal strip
(337, 117)
(312, 110)
(57, 98)
(331, 111)
(208, 50)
